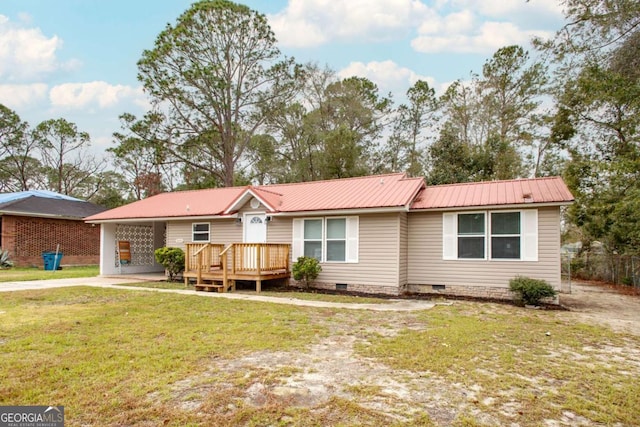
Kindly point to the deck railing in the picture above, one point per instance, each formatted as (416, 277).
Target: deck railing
(203, 256)
(244, 259)
(259, 257)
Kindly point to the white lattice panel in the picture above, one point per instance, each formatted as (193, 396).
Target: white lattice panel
(140, 238)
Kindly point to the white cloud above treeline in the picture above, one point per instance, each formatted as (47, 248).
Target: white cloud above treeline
(460, 26)
(22, 95)
(95, 94)
(308, 23)
(387, 75)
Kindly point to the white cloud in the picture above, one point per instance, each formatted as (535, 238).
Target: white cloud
(307, 23)
(510, 9)
(462, 26)
(26, 53)
(95, 94)
(472, 26)
(389, 76)
(459, 35)
(20, 96)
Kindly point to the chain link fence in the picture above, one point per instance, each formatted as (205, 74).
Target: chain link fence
(597, 265)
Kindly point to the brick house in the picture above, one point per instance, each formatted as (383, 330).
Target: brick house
(32, 222)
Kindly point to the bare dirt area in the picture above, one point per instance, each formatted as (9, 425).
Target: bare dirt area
(332, 370)
(613, 306)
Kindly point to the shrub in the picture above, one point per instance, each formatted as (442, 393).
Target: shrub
(306, 269)
(531, 291)
(172, 259)
(5, 262)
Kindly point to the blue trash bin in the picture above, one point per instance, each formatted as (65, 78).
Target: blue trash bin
(51, 260)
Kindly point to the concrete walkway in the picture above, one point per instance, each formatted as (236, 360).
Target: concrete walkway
(113, 283)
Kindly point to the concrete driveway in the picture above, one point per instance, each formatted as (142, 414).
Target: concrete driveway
(59, 283)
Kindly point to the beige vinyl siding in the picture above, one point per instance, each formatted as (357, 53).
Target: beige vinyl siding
(280, 230)
(403, 254)
(426, 266)
(221, 231)
(377, 254)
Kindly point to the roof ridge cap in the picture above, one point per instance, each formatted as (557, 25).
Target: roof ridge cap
(261, 188)
(338, 179)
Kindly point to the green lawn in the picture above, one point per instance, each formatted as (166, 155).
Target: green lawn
(116, 357)
(16, 274)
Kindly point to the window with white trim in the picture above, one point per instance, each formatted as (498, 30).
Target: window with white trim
(471, 237)
(505, 235)
(495, 235)
(200, 232)
(313, 238)
(330, 239)
(336, 239)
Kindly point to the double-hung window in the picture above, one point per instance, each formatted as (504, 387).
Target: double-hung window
(471, 236)
(313, 238)
(336, 239)
(326, 239)
(505, 235)
(495, 235)
(200, 232)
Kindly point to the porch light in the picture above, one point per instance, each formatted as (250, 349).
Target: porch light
(239, 220)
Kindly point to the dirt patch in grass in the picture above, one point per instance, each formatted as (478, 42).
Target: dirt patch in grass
(462, 366)
(613, 306)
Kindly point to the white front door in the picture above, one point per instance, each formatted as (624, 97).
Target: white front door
(255, 228)
(255, 231)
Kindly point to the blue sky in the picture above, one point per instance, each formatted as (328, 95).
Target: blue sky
(77, 58)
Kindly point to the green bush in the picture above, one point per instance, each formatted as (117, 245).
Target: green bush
(531, 291)
(306, 269)
(5, 262)
(172, 259)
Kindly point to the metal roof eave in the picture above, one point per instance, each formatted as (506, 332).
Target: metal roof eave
(506, 206)
(166, 218)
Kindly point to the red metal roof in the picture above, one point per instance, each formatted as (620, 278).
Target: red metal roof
(177, 204)
(379, 191)
(494, 193)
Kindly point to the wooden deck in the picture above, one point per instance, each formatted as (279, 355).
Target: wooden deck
(216, 268)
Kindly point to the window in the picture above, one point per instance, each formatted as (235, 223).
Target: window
(326, 239)
(498, 235)
(471, 236)
(336, 239)
(200, 232)
(505, 235)
(313, 238)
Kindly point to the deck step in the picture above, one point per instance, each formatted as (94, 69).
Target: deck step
(208, 287)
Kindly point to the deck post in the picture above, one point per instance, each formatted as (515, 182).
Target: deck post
(224, 272)
(199, 279)
(258, 285)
